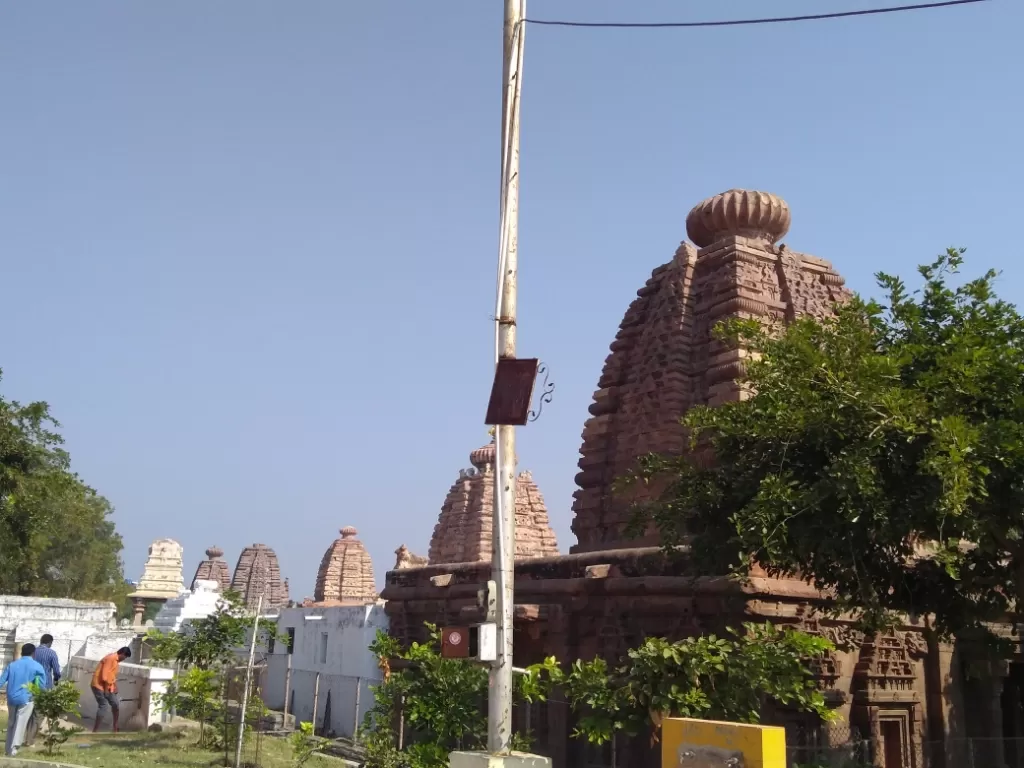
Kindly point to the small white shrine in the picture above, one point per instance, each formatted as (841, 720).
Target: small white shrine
(197, 603)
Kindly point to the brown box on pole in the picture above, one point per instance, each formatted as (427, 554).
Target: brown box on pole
(455, 642)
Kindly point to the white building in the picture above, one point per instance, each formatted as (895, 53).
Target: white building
(197, 603)
(332, 643)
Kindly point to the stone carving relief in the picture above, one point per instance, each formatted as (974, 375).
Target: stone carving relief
(404, 558)
(829, 667)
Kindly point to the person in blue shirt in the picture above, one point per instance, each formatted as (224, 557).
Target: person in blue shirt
(47, 658)
(17, 677)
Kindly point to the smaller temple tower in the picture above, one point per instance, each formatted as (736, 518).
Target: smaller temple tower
(214, 569)
(162, 579)
(258, 574)
(345, 576)
(463, 531)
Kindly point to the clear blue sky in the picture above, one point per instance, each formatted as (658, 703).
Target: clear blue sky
(249, 247)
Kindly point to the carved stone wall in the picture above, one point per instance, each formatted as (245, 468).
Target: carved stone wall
(406, 559)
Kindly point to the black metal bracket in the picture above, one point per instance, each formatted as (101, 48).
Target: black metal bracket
(547, 392)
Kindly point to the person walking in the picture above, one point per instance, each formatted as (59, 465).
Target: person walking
(17, 677)
(47, 658)
(104, 687)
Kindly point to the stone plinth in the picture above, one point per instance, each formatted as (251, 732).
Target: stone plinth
(664, 359)
(484, 760)
(162, 575)
(463, 530)
(258, 574)
(214, 569)
(139, 686)
(345, 576)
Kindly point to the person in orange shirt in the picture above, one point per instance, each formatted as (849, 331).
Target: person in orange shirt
(104, 686)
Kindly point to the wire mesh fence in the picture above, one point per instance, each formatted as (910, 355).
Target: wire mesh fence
(244, 725)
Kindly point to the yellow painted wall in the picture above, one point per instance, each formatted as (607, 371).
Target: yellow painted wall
(762, 746)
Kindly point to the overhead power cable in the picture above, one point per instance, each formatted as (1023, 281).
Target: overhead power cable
(747, 22)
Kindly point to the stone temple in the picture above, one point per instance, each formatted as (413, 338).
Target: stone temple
(664, 360)
(463, 530)
(162, 579)
(162, 575)
(214, 568)
(258, 574)
(916, 701)
(345, 576)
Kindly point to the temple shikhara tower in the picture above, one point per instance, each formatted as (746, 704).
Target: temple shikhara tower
(664, 361)
(914, 700)
(463, 530)
(345, 576)
(214, 568)
(258, 574)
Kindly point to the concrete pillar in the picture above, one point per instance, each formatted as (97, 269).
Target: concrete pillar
(138, 610)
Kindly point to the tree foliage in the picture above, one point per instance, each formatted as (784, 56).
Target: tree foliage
(57, 538)
(881, 455)
(203, 654)
(714, 678)
(305, 744)
(208, 642)
(444, 701)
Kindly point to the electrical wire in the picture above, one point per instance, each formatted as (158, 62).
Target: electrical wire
(747, 22)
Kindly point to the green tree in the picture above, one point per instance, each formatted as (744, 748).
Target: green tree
(444, 701)
(56, 534)
(881, 455)
(203, 654)
(305, 743)
(708, 677)
(206, 643)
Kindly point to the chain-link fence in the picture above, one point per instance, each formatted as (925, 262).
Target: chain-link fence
(827, 745)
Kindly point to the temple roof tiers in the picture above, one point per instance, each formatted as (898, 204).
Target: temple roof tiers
(463, 530)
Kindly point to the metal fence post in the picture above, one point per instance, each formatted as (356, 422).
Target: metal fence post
(316, 699)
(355, 717)
(287, 688)
(401, 723)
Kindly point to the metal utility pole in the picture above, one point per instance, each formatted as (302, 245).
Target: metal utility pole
(499, 701)
(248, 682)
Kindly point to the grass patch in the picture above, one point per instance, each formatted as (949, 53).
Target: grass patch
(167, 750)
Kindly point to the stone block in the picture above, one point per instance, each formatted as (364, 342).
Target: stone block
(485, 760)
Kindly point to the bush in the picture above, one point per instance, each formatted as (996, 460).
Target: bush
(52, 705)
(305, 743)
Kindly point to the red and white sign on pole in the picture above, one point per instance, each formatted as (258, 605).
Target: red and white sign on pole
(455, 642)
